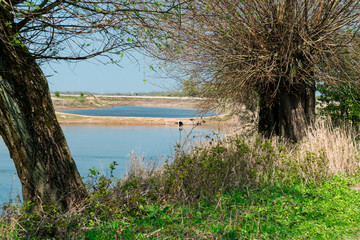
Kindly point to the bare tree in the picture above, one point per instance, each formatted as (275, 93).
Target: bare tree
(266, 51)
(34, 31)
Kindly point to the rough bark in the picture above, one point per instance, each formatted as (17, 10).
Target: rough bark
(289, 113)
(30, 130)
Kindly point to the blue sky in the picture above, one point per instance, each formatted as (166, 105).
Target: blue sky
(93, 76)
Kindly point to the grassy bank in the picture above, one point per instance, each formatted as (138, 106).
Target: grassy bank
(240, 188)
(328, 210)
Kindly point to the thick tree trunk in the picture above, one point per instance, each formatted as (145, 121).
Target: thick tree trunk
(32, 133)
(289, 113)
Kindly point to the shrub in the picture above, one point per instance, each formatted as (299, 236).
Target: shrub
(57, 94)
(234, 164)
(341, 102)
(238, 163)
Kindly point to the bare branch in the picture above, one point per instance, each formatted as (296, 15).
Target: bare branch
(237, 49)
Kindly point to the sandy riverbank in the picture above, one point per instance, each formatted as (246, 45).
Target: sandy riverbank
(218, 121)
(66, 103)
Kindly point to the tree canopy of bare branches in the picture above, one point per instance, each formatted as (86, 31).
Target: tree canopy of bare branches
(266, 51)
(76, 30)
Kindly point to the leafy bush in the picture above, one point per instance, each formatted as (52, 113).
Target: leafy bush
(340, 102)
(57, 94)
(245, 178)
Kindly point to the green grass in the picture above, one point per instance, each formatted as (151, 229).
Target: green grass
(239, 188)
(328, 210)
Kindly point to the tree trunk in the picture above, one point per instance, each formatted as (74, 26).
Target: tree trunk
(30, 130)
(289, 113)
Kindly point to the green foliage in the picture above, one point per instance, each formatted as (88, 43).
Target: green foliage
(207, 171)
(234, 189)
(57, 94)
(82, 95)
(16, 40)
(190, 88)
(237, 164)
(50, 223)
(341, 102)
(328, 210)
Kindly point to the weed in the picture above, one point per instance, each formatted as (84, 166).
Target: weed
(235, 188)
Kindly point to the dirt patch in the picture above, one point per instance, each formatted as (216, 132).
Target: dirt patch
(356, 187)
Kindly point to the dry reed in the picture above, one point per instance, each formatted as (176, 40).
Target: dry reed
(243, 161)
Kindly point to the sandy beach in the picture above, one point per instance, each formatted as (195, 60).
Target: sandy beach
(67, 103)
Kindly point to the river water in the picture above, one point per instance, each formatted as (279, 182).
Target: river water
(98, 146)
(135, 111)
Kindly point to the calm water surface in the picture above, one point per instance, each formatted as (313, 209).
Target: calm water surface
(98, 146)
(133, 111)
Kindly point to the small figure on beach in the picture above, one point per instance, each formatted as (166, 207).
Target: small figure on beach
(180, 124)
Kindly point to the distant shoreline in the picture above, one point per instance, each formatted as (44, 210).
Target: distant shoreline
(71, 102)
(74, 119)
